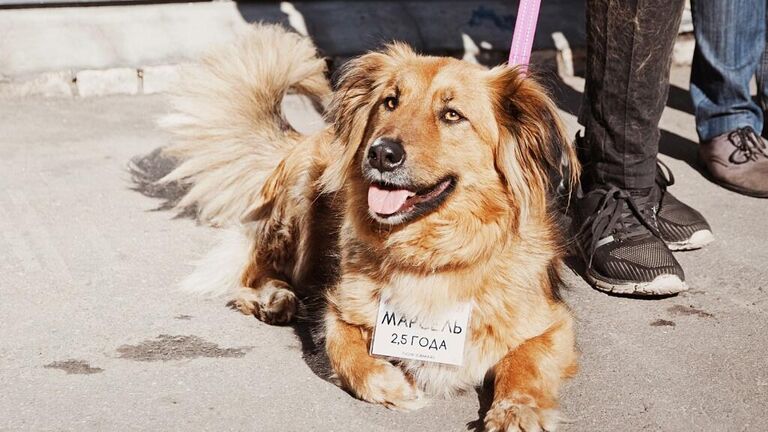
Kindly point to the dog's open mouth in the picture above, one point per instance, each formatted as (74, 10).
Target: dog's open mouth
(388, 201)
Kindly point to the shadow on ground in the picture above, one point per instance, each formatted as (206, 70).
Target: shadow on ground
(146, 172)
(680, 99)
(485, 399)
(342, 30)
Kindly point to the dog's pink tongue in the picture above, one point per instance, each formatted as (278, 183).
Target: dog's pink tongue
(387, 202)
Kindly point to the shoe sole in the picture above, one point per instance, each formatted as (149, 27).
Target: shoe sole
(729, 186)
(697, 240)
(741, 190)
(662, 285)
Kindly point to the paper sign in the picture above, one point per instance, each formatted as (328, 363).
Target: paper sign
(440, 340)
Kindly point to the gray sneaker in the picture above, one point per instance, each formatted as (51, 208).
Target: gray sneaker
(738, 160)
(619, 240)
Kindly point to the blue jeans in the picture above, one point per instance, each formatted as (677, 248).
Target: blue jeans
(730, 45)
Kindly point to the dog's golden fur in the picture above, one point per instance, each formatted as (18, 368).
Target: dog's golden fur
(298, 205)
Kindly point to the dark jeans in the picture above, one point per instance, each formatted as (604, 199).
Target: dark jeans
(629, 50)
(730, 41)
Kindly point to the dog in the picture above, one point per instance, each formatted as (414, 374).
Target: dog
(429, 191)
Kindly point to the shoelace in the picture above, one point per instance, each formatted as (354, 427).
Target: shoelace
(611, 216)
(748, 146)
(664, 179)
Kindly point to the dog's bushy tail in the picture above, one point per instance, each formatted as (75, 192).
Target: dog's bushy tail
(229, 131)
(219, 273)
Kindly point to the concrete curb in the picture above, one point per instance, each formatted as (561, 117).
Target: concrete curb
(92, 82)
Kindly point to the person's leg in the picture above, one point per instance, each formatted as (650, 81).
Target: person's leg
(730, 49)
(629, 47)
(730, 39)
(625, 214)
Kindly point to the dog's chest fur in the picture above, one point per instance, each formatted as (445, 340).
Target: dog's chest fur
(425, 296)
(447, 380)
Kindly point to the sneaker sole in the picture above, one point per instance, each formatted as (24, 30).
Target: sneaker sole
(662, 285)
(698, 240)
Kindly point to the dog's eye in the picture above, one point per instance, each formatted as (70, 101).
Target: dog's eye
(451, 116)
(390, 103)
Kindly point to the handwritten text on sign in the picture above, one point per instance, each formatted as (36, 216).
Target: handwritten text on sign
(440, 340)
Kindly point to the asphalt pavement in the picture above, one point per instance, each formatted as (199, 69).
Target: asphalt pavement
(94, 336)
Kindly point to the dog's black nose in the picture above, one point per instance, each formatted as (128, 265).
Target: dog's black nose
(386, 154)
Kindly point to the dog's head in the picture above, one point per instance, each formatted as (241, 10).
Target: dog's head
(442, 154)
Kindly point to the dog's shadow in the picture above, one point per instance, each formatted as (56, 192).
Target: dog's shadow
(485, 399)
(309, 329)
(146, 171)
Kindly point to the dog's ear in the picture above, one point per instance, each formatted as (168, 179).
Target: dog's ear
(356, 94)
(533, 154)
(349, 112)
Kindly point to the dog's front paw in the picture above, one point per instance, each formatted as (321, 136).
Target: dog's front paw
(389, 386)
(519, 413)
(272, 304)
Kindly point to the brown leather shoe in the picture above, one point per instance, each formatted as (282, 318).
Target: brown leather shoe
(738, 160)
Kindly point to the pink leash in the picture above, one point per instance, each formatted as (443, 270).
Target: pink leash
(525, 29)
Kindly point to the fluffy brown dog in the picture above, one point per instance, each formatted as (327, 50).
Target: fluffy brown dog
(429, 188)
